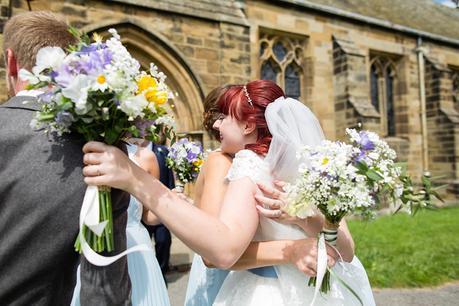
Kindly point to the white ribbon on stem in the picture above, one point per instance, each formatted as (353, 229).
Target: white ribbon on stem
(321, 265)
(89, 216)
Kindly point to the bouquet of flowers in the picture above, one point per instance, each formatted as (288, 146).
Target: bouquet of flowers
(339, 179)
(185, 159)
(96, 89)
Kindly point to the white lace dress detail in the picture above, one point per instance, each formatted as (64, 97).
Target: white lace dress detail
(247, 163)
(243, 288)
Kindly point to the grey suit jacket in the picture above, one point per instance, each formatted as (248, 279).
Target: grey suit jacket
(41, 192)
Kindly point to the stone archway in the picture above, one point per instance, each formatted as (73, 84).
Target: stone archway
(147, 46)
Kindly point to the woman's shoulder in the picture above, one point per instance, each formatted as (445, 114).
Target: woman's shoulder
(218, 156)
(247, 155)
(216, 164)
(246, 163)
(217, 159)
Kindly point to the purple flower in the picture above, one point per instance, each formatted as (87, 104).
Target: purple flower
(191, 156)
(53, 74)
(46, 97)
(93, 65)
(365, 142)
(93, 62)
(64, 119)
(88, 49)
(329, 176)
(93, 47)
(360, 157)
(64, 75)
(107, 56)
(183, 141)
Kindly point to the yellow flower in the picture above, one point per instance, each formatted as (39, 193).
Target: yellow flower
(146, 82)
(198, 163)
(325, 161)
(101, 79)
(150, 95)
(161, 97)
(97, 38)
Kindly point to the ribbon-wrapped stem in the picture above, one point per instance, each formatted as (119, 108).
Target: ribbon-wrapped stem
(179, 187)
(96, 228)
(330, 235)
(99, 240)
(321, 282)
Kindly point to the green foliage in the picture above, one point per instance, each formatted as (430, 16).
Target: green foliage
(83, 39)
(407, 251)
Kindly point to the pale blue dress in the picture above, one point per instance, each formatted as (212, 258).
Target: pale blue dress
(148, 287)
(203, 284)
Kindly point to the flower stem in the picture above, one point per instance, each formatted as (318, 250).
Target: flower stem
(110, 221)
(106, 207)
(103, 217)
(104, 242)
(77, 244)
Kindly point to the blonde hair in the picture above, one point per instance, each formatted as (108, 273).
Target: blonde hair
(28, 32)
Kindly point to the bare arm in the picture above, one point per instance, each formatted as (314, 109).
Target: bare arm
(226, 237)
(345, 243)
(302, 253)
(257, 254)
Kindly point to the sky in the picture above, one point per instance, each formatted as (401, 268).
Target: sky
(447, 3)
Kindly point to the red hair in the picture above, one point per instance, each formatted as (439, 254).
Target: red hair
(235, 103)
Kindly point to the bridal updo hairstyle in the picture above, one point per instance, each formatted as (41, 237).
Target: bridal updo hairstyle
(249, 105)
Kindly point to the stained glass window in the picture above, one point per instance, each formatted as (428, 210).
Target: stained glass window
(263, 47)
(374, 87)
(390, 102)
(269, 71)
(281, 61)
(292, 82)
(456, 88)
(279, 51)
(382, 86)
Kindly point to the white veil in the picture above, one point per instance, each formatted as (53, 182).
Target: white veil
(292, 126)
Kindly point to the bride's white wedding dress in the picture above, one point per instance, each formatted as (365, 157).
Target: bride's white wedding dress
(292, 125)
(290, 287)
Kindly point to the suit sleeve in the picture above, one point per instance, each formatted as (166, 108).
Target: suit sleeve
(109, 285)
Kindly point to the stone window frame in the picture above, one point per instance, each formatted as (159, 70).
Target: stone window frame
(385, 66)
(295, 46)
(455, 86)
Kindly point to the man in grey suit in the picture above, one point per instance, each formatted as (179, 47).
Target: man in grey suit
(42, 189)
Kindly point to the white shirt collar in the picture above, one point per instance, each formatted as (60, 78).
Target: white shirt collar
(29, 93)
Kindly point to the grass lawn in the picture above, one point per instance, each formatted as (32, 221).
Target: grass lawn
(406, 251)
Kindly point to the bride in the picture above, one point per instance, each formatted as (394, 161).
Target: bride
(262, 129)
